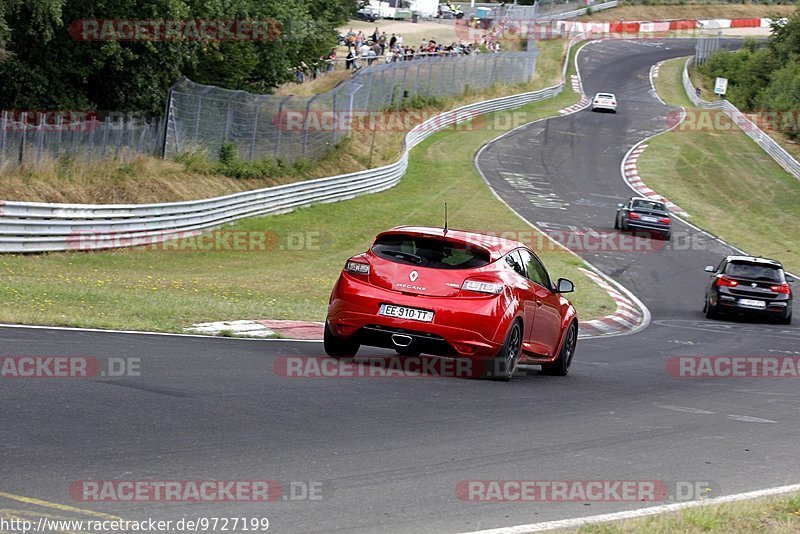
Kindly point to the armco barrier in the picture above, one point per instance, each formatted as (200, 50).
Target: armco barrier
(776, 152)
(41, 227)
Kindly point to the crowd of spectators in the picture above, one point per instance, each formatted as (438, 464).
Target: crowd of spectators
(364, 50)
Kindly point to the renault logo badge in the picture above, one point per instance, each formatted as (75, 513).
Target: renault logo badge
(413, 275)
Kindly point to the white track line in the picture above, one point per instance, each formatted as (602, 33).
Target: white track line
(641, 512)
(142, 333)
(622, 289)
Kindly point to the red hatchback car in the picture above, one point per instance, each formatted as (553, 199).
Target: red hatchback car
(455, 294)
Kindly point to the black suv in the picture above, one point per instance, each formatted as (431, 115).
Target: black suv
(752, 286)
(645, 215)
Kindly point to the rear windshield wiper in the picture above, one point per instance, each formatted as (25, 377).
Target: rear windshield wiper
(403, 255)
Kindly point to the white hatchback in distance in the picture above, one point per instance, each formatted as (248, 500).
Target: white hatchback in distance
(607, 101)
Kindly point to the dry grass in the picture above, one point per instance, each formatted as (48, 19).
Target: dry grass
(700, 11)
(779, 515)
(324, 82)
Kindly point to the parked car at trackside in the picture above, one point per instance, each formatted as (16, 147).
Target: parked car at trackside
(745, 285)
(455, 294)
(644, 214)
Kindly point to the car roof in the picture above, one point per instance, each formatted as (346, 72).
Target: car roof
(496, 246)
(753, 259)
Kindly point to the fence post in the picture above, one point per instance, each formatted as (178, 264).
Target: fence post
(105, 137)
(228, 121)
(39, 136)
(198, 111)
(391, 87)
(257, 107)
(280, 128)
(306, 125)
(336, 119)
(23, 138)
(3, 128)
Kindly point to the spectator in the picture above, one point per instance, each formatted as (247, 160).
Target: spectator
(350, 59)
(399, 40)
(331, 61)
(392, 42)
(382, 43)
(375, 34)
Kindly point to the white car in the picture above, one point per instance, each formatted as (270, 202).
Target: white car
(605, 101)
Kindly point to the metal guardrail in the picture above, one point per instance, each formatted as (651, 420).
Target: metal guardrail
(770, 146)
(41, 227)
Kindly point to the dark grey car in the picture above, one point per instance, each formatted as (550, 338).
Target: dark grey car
(644, 215)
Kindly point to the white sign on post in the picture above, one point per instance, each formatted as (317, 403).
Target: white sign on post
(721, 86)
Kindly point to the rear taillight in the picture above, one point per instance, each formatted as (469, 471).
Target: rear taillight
(482, 287)
(633, 215)
(356, 267)
(783, 288)
(664, 220)
(724, 281)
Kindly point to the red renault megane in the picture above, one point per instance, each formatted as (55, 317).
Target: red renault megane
(455, 294)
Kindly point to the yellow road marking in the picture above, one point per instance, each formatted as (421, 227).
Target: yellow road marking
(57, 506)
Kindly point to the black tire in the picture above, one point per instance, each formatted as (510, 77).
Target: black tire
(786, 320)
(666, 236)
(503, 366)
(711, 311)
(337, 347)
(408, 353)
(560, 367)
(616, 222)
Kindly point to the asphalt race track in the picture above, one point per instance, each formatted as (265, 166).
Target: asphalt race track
(389, 453)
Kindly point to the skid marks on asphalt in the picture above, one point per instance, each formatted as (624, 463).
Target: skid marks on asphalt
(41, 514)
(536, 188)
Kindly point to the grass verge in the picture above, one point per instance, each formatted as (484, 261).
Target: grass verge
(177, 285)
(729, 185)
(773, 515)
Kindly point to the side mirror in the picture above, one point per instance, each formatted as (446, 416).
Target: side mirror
(565, 286)
(710, 269)
(620, 205)
(789, 278)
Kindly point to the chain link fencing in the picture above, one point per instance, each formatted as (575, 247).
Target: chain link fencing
(291, 128)
(28, 137)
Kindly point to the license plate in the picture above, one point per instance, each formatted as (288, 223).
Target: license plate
(750, 303)
(403, 312)
(646, 218)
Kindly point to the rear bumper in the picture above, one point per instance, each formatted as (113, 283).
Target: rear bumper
(648, 227)
(461, 327)
(726, 302)
(608, 107)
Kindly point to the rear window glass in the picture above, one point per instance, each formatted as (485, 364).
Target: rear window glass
(430, 252)
(755, 271)
(604, 95)
(649, 205)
